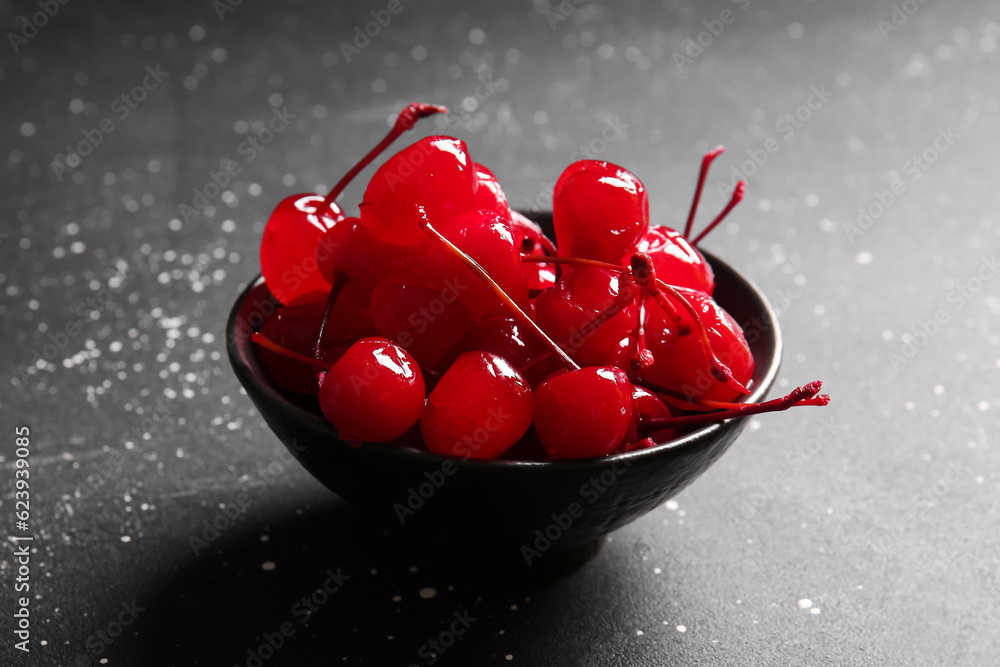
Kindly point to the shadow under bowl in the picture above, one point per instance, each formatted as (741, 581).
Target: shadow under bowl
(503, 507)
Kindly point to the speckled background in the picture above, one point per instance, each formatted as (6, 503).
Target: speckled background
(863, 534)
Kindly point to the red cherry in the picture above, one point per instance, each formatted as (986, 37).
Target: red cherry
(294, 328)
(426, 322)
(480, 407)
(680, 357)
(374, 393)
(486, 238)
(676, 261)
(489, 194)
(351, 248)
(531, 240)
(583, 413)
(288, 247)
(568, 311)
(600, 211)
(645, 406)
(432, 179)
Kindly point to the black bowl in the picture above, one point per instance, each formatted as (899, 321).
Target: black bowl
(515, 509)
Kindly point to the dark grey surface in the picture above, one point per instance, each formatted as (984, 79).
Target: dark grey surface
(881, 510)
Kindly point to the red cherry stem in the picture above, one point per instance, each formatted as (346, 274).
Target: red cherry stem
(406, 120)
(269, 344)
(805, 395)
(503, 296)
(340, 281)
(737, 197)
(706, 162)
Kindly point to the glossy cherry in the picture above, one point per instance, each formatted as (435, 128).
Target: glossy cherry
(600, 211)
(374, 393)
(489, 195)
(486, 238)
(584, 413)
(680, 364)
(480, 407)
(510, 339)
(294, 328)
(432, 179)
(647, 406)
(575, 314)
(676, 260)
(288, 247)
(426, 322)
(365, 259)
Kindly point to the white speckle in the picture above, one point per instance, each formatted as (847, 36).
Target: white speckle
(979, 479)
(657, 570)
(419, 53)
(397, 598)
(983, 406)
(115, 346)
(268, 565)
(805, 603)
(639, 633)
(812, 201)
(378, 86)
(795, 30)
(126, 539)
(682, 628)
(508, 657)
(671, 505)
(939, 389)
(196, 33)
(887, 335)
(77, 247)
(814, 610)
(427, 593)
(175, 224)
(910, 405)
(27, 129)
(477, 36)
(513, 607)
(864, 257)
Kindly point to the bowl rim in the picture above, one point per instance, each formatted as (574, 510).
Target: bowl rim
(703, 436)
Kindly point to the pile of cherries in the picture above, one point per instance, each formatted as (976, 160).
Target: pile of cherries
(608, 342)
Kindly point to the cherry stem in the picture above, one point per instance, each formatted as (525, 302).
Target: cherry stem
(406, 120)
(706, 162)
(804, 395)
(340, 281)
(503, 296)
(269, 344)
(737, 197)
